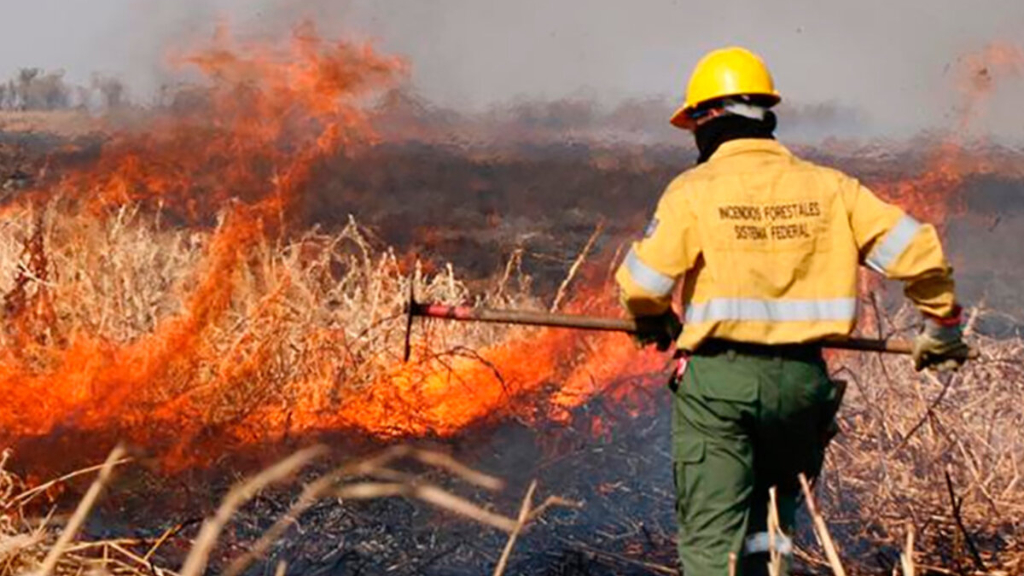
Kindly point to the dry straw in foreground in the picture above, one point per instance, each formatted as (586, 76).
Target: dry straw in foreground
(40, 548)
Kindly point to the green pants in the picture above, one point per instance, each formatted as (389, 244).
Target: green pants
(745, 418)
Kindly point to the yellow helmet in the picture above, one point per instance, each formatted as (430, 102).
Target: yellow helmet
(732, 71)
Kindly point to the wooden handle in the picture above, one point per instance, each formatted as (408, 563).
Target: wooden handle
(628, 325)
(523, 317)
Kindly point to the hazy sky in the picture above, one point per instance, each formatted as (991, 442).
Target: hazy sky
(886, 58)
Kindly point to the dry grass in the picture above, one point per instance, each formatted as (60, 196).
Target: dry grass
(41, 548)
(65, 123)
(941, 455)
(255, 338)
(117, 277)
(30, 545)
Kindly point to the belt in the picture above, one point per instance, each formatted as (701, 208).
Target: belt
(718, 346)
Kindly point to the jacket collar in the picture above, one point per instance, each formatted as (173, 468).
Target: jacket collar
(744, 145)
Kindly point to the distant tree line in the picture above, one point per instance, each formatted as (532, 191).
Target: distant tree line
(36, 89)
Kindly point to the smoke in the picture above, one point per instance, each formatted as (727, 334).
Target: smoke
(856, 69)
(405, 115)
(127, 39)
(881, 76)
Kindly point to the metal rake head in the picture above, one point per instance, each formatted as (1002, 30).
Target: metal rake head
(410, 308)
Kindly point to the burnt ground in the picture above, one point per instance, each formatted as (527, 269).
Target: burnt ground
(622, 481)
(474, 208)
(615, 465)
(613, 461)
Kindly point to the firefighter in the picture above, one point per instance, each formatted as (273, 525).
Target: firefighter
(767, 248)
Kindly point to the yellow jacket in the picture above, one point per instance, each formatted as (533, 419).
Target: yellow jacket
(768, 245)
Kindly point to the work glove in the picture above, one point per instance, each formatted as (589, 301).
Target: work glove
(940, 344)
(661, 330)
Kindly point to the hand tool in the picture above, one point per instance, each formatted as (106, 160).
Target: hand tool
(416, 309)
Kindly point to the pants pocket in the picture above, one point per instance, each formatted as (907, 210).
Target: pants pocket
(687, 453)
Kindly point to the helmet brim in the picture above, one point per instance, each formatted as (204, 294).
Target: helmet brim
(681, 118)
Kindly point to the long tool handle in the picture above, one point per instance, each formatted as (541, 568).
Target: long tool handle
(535, 318)
(525, 317)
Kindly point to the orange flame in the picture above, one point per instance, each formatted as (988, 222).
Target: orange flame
(423, 399)
(934, 193)
(243, 146)
(251, 134)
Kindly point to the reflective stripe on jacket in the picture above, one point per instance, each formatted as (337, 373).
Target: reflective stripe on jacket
(768, 246)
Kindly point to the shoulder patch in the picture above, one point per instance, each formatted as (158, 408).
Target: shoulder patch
(651, 228)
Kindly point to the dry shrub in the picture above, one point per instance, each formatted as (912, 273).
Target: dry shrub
(19, 546)
(117, 277)
(36, 545)
(941, 455)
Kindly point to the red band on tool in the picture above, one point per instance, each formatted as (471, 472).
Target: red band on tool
(438, 311)
(443, 311)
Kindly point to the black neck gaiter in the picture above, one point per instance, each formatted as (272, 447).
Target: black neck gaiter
(716, 132)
